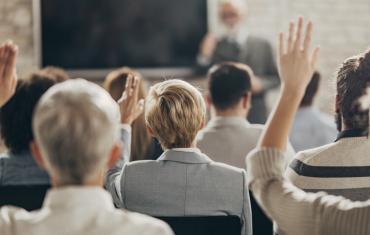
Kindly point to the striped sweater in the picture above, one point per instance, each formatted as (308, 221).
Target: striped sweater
(341, 168)
(297, 212)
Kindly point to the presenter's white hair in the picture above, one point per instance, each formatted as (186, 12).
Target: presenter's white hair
(76, 124)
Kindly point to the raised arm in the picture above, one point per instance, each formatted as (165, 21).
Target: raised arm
(296, 65)
(131, 108)
(8, 75)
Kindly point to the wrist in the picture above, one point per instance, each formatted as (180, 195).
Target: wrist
(292, 93)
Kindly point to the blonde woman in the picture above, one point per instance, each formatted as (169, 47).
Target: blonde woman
(183, 181)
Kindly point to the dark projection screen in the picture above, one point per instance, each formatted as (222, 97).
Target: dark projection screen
(98, 34)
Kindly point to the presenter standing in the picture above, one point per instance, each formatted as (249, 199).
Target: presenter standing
(237, 45)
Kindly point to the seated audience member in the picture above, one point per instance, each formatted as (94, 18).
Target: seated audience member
(143, 146)
(60, 74)
(341, 168)
(77, 136)
(311, 127)
(228, 136)
(183, 181)
(17, 166)
(295, 211)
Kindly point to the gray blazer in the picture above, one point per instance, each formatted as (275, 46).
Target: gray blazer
(237, 134)
(181, 183)
(258, 54)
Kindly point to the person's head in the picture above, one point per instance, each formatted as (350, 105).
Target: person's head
(60, 74)
(174, 112)
(229, 88)
(16, 115)
(311, 90)
(114, 83)
(76, 126)
(232, 12)
(352, 79)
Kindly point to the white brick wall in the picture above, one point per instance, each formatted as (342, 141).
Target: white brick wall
(342, 29)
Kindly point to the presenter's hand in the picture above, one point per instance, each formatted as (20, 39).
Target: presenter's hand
(8, 75)
(296, 61)
(130, 105)
(208, 45)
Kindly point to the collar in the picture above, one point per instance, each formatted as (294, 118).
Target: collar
(351, 134)
(188, 155)
(78, 196)
(228, 121)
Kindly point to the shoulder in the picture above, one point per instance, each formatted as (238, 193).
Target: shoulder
(310, 154)
(144, 223)
(226, 170)
(9, 215)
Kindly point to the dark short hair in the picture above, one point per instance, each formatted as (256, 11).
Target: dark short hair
(16, 114)
(227, 83)
(311, 90)
(352, 80)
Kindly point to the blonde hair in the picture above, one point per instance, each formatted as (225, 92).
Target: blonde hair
(115, 84)
(175, 111)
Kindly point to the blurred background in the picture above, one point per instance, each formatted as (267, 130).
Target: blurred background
(341, 29)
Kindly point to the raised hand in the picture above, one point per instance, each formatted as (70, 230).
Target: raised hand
(130, 105)
(296, 62)
(8, 75)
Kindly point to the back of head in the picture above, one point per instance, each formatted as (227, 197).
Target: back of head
(175, 112)
(228, 83)
(352, 79)
(311, 90)
(76, 124)
(16, 115)
(60, 74)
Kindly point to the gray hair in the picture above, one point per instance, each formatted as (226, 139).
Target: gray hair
(76, 124)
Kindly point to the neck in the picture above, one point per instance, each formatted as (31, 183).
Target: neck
(94, 182)
(231, 113)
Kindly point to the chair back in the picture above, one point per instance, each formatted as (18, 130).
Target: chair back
(204, 225)
(29, 197)
(261, 223)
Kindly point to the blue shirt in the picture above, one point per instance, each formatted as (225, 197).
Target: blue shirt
(21, 169)
(311, 129)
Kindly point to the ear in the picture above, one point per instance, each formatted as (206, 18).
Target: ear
(202, 124)
(114, 155)
(36, 153)
(209, 100)
(246, 101)
(337, 108)
(150, 131)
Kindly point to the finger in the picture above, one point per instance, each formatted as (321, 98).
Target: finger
(136, 86)
(10, 67)
(314, 57)
(290, 36)
(308, 37)
(128, 87)
(2, 60)
(281, 50)
(297, 43)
